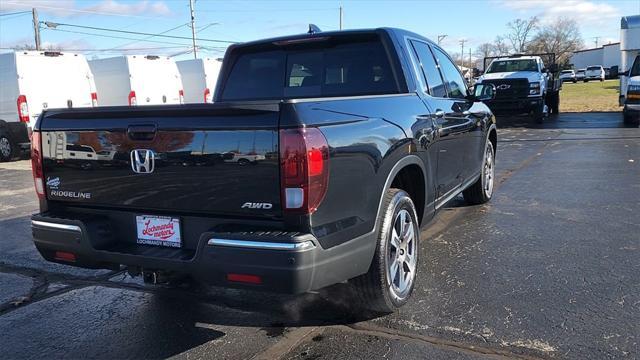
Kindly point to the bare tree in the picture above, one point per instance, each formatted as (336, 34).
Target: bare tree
(500, 46)
(520, 30)
(482, 51)
(562, 37)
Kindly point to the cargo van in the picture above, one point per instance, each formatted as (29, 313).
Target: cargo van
(199, 77)
(32, 81)
(137, 80)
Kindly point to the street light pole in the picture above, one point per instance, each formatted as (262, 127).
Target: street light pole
(193, 29)
(441, 37)
(36, 28)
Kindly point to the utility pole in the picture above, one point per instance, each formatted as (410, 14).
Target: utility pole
(596, 38)
(470, 61)
(440, 38)
(193, 29)
(36, 27)
(462, 41)
(340, 16)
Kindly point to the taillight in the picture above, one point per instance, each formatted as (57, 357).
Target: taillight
(36, 163)
(94, 99)
(132, 98)
(23, 109)
(207, 96)
(304, 168)
(181, 96)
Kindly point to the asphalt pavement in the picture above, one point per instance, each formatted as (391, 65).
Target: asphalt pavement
(550, 268)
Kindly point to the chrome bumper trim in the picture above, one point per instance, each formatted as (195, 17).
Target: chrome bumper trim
(46, 224)
(247, 244)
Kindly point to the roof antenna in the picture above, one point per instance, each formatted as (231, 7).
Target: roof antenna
(313, 29)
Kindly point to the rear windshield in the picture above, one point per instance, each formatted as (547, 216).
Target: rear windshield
(499, 66)
(593, 68)
(567, 71)
(342, 69)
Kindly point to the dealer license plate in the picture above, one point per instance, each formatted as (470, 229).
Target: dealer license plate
(158, 230)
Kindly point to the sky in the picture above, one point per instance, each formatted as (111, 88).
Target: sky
(475, 21)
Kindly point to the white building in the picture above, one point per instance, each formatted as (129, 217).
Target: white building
(607, 56)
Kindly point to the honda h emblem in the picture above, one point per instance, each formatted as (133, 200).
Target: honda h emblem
(142, 161)
(504, 87)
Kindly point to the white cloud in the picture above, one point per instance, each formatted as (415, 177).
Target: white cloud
(68, 8)
(590, 13)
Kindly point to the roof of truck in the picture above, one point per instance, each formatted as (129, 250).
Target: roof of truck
(323, 34)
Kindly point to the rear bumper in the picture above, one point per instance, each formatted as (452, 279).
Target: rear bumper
(514, 106)
(282, 261)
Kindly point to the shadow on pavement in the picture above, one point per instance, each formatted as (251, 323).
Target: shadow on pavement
(568, 120)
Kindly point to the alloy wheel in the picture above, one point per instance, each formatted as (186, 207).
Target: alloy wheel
(5, 147)
(401, 255)
(488, 171)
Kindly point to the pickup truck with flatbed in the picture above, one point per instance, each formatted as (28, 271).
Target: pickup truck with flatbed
(524, 85)
(362, 136)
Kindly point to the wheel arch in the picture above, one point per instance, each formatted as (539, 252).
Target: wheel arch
(401, 176)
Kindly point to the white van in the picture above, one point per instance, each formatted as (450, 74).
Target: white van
(199, 77)
(137, 80)
(32, 81)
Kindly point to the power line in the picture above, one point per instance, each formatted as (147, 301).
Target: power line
(50, 24)
(116, 37)
(16, 13)
(149, 37)
(88, 11)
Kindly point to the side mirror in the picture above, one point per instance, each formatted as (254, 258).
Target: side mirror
(484, 92)
(623, 73)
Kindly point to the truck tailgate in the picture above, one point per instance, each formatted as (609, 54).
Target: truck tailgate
(216, 159)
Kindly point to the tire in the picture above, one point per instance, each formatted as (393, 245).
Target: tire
(243, 162)
(482, 190)
(538, 114)
(585, 80)
(397, 247)
(554, 105)
(7, 147)
(628, 120)
(575, 81)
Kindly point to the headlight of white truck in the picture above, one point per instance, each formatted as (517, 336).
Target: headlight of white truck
(534, 88)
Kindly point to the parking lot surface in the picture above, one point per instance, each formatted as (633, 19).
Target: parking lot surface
(550, 268)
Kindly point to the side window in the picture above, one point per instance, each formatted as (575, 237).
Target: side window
(429, 69)
(456, 85)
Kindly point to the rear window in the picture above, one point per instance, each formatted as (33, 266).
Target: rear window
(499, 66)
(593, 68)
(567, 71)
(342, 69)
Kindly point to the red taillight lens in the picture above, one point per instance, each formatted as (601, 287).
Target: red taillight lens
(36, 163)
(65, 256)
(23, 109)
(304, 157)
(132, 98)
(207, 96)
(94, 99)
(181, 96)
(245, 278)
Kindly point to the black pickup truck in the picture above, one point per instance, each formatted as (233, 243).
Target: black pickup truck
(353, 139)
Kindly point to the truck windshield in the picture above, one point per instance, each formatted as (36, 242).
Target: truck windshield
(635, 69)
(330, 69)
(499, 66)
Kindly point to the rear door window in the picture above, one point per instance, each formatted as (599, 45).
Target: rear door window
(430, 70)
(347, 69)
(456, 86)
